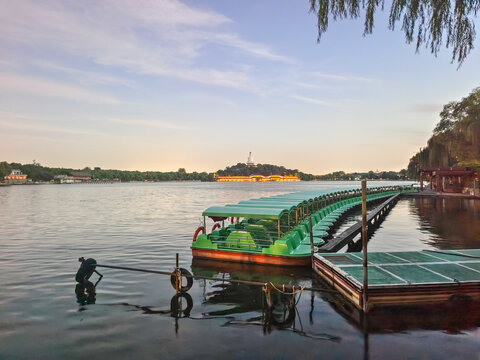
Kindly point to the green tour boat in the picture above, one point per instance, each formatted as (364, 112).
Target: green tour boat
(276, 230)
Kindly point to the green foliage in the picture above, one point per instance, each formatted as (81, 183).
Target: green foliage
(5, 169)
(382, 175)
(127, 176)
(455, 140)
(242, 169)
(425, 22)
(266, 169)
(36, 172)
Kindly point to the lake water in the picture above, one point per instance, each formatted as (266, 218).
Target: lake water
(45, 229)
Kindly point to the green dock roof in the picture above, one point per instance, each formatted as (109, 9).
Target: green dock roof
(405, 268)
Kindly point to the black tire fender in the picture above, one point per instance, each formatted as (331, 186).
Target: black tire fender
(186, 275)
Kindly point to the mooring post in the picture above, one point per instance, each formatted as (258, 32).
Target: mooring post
(311, 238)
(364, 245)
(178, 275)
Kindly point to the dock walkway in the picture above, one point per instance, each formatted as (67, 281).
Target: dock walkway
(408, 277)
(374, 216)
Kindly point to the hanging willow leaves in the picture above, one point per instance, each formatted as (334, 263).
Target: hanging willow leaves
(426, 22)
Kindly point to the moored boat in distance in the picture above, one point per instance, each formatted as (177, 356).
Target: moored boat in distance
(275, 230)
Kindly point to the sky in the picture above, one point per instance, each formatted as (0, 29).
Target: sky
(164, 84)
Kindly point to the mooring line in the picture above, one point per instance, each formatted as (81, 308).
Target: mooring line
(246, 282)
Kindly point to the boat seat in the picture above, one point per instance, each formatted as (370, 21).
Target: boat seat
(259, 234)
(240, 240)
(320, 233)
(294, 238)
(316, 241)
(320, 227)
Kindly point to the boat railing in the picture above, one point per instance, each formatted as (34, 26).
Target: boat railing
(244, 244)
(245, 240)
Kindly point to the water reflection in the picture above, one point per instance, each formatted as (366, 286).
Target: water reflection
(181, 305)
(85, 293)
(453, 317)
(322, 315)
(276, 307)
(454, 223)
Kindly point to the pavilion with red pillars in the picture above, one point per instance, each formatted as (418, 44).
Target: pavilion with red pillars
(450, 180)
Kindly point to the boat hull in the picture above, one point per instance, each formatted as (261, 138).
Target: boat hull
(252, 258)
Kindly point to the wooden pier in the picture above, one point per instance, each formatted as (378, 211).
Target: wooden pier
(373, 217)
(402, 278)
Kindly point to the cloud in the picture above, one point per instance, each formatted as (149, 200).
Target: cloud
(54, 140)
(150, 123)
(256, 49)
(84, 76)
(312, 101)
(49, 88)
(343, 78)
(27, 123)
(162, 37)
(210, 99)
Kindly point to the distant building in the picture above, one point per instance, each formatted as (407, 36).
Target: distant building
(79, 177)
(250, 159)
(258, 178)
(16, 177)
(456, 180)
(64, 179)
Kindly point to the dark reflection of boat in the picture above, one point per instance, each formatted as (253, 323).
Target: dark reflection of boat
(251, 272)
(276, 309)
(457, 315)
(243, 297)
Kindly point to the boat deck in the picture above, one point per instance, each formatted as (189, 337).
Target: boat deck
(408, 277)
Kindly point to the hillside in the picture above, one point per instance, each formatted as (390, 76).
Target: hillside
(455, 140)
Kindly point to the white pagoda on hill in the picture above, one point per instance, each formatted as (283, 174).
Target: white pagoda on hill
(250, 160)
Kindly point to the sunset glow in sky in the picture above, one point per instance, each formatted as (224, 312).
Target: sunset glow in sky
(163, 84)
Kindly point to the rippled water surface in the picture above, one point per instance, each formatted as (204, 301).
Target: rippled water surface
(45, 229)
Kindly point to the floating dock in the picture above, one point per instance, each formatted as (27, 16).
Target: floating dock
(402, 278)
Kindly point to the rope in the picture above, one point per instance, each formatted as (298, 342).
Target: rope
(285, 292)
(196, 277)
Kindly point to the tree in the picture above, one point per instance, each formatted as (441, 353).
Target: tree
(5, 170)
(425, 22)
(456, 138)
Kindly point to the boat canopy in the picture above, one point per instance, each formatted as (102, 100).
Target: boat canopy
(267, 205)
(277, 200)
(275, 207)
(246, 212)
